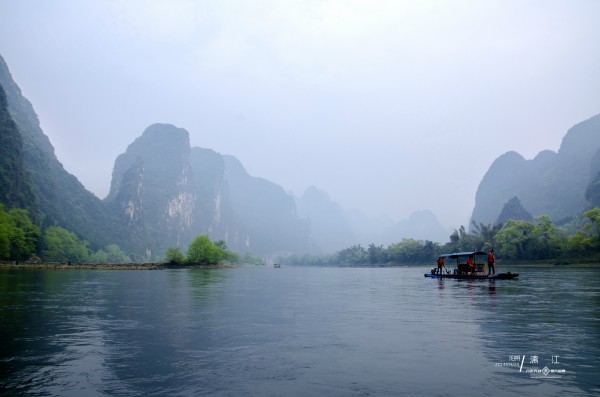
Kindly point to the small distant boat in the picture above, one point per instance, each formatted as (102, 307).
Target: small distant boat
(469, 266)
(276, 265)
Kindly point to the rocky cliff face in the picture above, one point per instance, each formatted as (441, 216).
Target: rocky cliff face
(152, 187)
(15, 183)
(551, 184)
(592, 193)
(171, 193)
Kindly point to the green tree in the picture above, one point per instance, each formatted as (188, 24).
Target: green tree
(203, 251)
(461, 240)
(174, 255)
(486, 234)
(514, 239)
(376, 254)
(227, 255)
(6, 228)
(115, 254)
(25, 237)
(61, 245)
(99, 256)
(355, 255)
(547, 238)
(409, 250)
(18, 235)
(578, 244)
(594, 216)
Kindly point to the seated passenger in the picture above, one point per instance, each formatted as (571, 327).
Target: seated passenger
(470, 264)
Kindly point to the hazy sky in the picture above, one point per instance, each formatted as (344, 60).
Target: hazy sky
(389, 106)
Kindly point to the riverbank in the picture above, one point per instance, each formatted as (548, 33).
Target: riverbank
(109, 266)
(580, 263)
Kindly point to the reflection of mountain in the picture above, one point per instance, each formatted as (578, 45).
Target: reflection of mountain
(551, 184)
(113, 333)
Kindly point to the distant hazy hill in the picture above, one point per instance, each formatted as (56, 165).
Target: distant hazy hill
(513, 209)
(333, 228)
(552, 183)
(329, 227)
(420, 225)
(266, 211)
(369, 230)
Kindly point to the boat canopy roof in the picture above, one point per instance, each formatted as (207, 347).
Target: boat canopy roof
(463, 254)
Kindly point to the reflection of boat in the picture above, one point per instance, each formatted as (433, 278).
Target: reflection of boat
(469, 265)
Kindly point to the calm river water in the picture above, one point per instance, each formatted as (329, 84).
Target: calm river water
(298, 332)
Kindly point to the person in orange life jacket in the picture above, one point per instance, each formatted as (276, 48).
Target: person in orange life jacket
(440, 263)
(490, 262)
(470, 261)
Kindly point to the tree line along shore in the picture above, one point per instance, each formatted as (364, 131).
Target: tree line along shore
(107, 266)
(22, 241)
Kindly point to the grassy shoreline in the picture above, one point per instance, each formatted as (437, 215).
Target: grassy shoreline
(564, 263)
(108, 266)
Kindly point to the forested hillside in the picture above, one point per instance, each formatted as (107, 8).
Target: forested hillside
(15, 184)
(59, 197)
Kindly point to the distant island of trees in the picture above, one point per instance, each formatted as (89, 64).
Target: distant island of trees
(516, 240)
(540, 239)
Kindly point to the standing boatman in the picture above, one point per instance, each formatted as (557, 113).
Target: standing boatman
(440, 263)
(491, 260)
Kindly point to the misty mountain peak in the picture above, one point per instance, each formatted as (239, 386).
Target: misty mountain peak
(166, 138)
(314, 194)
(553, 183)
(234, 167)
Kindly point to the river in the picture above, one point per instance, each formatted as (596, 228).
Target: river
(295, 331)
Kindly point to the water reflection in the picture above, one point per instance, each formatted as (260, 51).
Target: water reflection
(49, 330)
(120, 330)
(542, 322)
(260, 331)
